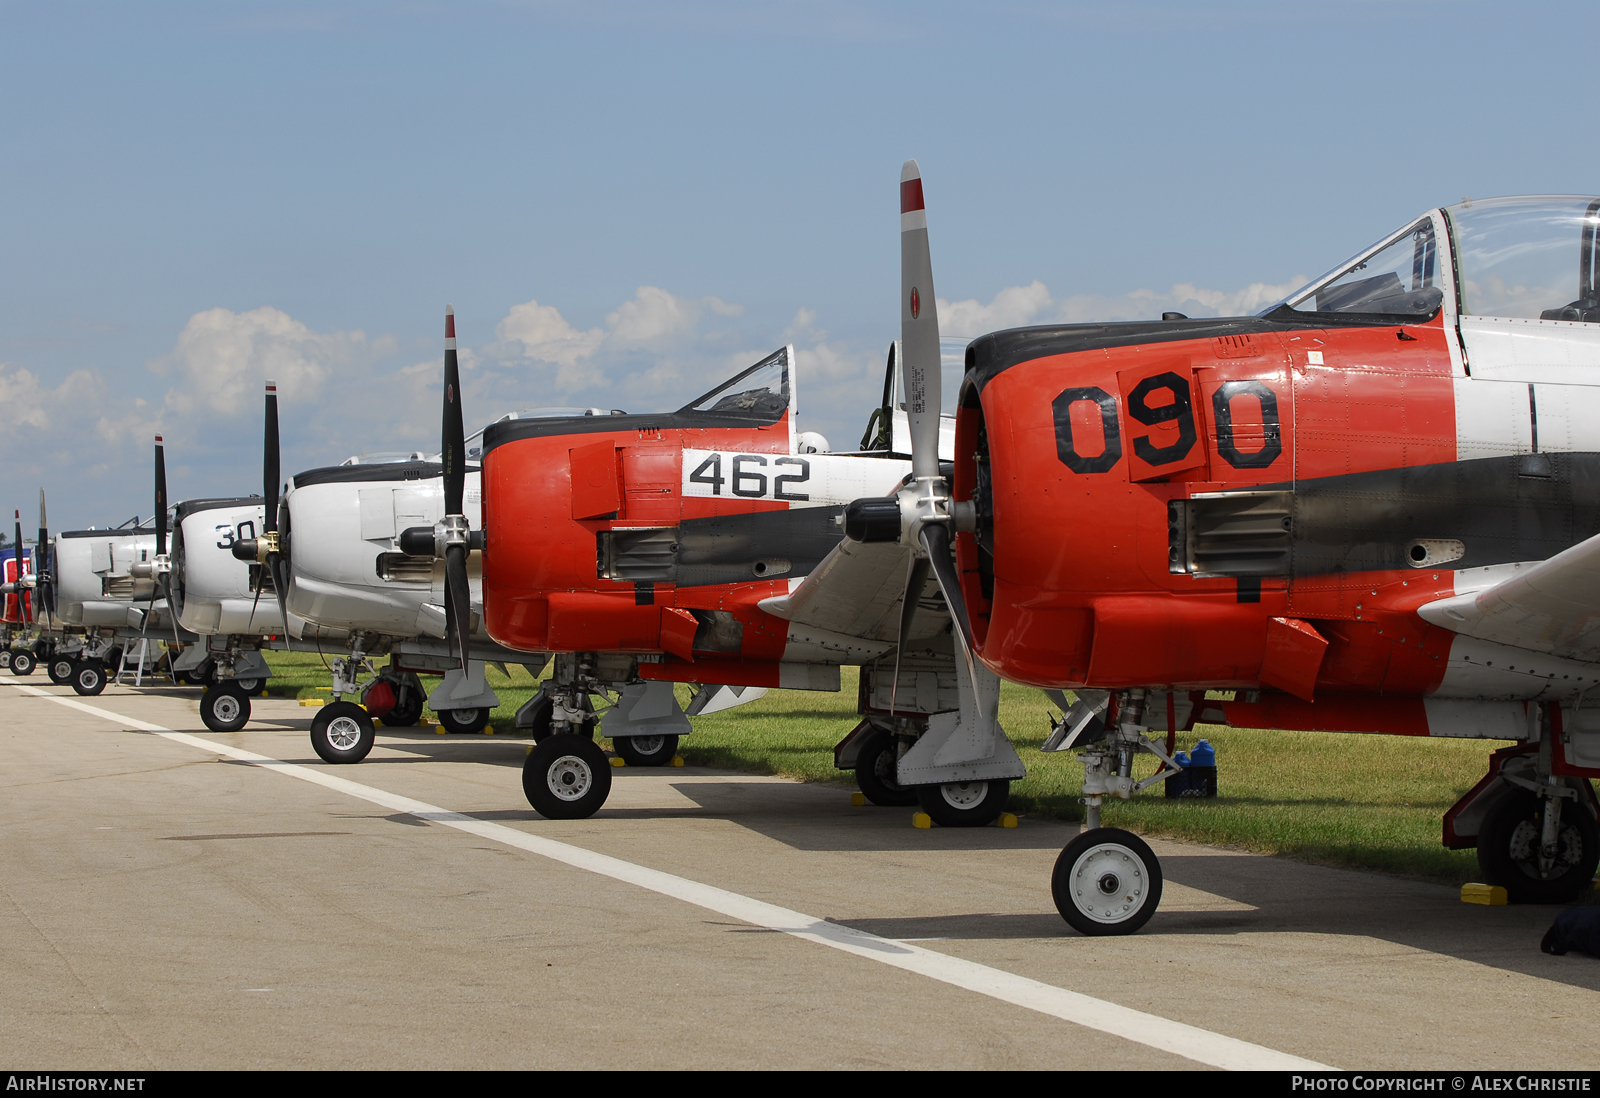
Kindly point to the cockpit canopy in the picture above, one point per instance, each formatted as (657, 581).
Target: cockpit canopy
(1528, 257)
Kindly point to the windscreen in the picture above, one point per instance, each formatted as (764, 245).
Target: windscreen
(1399, 277)
(760, 392)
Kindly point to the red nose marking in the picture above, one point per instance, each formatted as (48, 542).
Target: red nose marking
(911, 195)
(450, 325)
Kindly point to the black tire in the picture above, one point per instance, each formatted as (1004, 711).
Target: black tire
(342, 732)
(22, 661)
(964, 804)
(646, 750)
(876, 766)
(1508, 850)
(464, 721)
(567, 777)
(407, 710)
(5, 658)
(59, 668)
(224, 708)
(113, 659)
(250, 688)
(1106, 881)
(89, 678)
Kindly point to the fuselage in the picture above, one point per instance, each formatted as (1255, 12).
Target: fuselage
(1170, 503)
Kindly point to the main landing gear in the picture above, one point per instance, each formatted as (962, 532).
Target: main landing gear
(1533, 821)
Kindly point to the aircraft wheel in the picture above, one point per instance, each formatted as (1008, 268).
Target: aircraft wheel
(22, 662)
(567, 777)
(5, 658)
(89, 678)
(646, 750)
(1508, 850)
(250, 688)
(60, 670)
(113, 658)
(464, 721)
(964, 804)
(342, 732)
(224, 708)
(1106, 881)
(876, 766)
(407, 710)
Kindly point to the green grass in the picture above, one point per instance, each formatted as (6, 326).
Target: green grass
(1368, 802)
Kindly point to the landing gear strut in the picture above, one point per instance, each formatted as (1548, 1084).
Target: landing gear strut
(1107, 880)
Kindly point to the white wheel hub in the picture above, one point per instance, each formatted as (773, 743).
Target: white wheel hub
(343, 733)
(1109, 883)
(226, 708)
(964, 795)
(569, 777)
(648, 745)
(88, 677)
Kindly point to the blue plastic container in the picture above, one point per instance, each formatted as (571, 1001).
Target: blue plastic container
(1199, 775)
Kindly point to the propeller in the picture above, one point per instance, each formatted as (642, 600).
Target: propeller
(159, 570)
(927, 499)
(267, 550)
(452, 538)
(24, 603)
(44, 565)
(453, 453)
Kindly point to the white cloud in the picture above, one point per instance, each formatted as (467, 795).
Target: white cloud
(222, 358)
(1032, 304)
(25, 402)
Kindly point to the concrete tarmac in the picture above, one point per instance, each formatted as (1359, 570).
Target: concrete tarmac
(164, 906)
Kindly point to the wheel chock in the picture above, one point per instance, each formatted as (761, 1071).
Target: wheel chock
(1006, 819)
(921, 819)
(438, 729)
(618, 762)
(1486, 894)
(677, 760)
(312, 703)
(858, 799)
(529, 751)
(488, 730)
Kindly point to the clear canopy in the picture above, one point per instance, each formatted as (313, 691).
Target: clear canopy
(1527, 257)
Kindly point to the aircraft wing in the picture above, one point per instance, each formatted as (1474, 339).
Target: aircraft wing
(1552, 606)
(856, 593)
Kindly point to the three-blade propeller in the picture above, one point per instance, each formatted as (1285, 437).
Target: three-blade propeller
(268, 549)
(928, 515)
(452, 538)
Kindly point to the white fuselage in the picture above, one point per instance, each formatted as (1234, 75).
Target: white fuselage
(346, 568)
(214, 592)
(95, 585)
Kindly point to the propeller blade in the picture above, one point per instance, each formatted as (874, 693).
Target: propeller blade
(916, 579)
(280, 584)
(269, 467)
(24, 603)
(936, 540)
(458, 599)
(42, 564)
(919, 326)
(453, 447)
(161, 498)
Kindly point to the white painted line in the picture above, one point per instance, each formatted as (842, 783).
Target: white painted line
(1190, 1042)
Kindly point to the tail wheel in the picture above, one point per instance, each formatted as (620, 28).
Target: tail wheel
(566, 777)
(224, 708)
(89, 678)
(1107, 881)
(877, 764)
(964, 804)
(342, 732)
(1509, 851)
(646, 750)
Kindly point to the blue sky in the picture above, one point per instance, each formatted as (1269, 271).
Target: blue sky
(624, 201)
